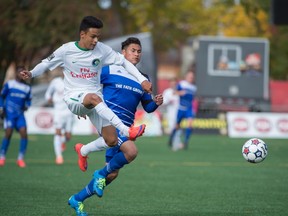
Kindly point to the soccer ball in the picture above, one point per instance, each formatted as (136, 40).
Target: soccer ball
(254, 150)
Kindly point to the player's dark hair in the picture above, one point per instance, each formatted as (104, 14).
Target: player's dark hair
(130, 40)
(20, 68)
(90, 22)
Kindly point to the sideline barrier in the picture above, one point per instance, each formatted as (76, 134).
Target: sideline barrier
(262, 125)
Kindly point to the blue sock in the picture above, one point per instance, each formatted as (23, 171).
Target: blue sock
(85, 193)
(5, 145)
(117, 162)
(23, 146)
(188, 133)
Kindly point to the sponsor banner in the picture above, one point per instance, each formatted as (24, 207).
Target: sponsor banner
(246, 124)
(204, 123)
(40, 121)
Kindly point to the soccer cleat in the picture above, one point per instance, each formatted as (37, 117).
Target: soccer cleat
(21, 163)
(2, 161)
(99, 183)
(59, 160)
(82, 161)
(135, 132)
(77, 205)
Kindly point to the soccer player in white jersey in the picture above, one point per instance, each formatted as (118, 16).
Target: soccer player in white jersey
(186, 90)
(82, 62)
(63, 118)
(171, 103)
(122, 93)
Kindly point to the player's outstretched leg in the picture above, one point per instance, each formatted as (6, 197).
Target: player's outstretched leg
(77, 205)
(82, 160)
(135, 132)
(99, 183)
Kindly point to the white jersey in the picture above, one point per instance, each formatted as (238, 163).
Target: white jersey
(81, 67)
(171, 102)
(55, 92)
(63, 117)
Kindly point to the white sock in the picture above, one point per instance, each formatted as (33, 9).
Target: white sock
(96, 145)
(63, 139)
(57, 145)
(177, 140)
(108, 114)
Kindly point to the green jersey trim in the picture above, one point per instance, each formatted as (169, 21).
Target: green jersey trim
(74, 99)
(77, 44)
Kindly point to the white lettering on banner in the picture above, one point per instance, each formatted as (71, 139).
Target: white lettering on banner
(249, 124)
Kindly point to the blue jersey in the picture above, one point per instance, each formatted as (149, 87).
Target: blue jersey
(15, 98)
(185, 101)
(123, 93)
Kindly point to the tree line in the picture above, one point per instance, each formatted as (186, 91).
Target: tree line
(32, 29)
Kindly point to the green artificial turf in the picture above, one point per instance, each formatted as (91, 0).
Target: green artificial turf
(211, 178)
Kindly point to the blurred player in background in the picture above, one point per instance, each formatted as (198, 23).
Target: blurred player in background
(186, 91)
(171, 103)
(122, 93)
(63, 117)
(82, 62)
(15, 99)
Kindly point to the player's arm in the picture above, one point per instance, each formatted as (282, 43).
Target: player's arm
(49, 92)
(1, 107)
(149, 103)
(50, 63)
(146, 85)
(3, 95)
(37, 71)
(28, 101)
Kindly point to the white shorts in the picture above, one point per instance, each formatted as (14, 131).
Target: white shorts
(64, 120)
(74, 102)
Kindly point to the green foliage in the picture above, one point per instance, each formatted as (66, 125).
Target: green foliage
(31, 29)
(211, 178)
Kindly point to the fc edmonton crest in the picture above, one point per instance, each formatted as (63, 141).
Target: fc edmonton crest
(95, 62)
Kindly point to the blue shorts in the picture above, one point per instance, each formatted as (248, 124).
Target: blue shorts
(15, 122)
(110, 152)
(184, 114)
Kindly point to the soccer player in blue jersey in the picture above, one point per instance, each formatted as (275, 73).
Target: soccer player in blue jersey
(186, 91)
(14, 100)
(122, 93)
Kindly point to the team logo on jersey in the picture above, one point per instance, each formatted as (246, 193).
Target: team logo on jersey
(95, 62)
(49, 58)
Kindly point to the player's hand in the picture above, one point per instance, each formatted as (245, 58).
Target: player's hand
(147, 86)
(26, 74)
(158, 99)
